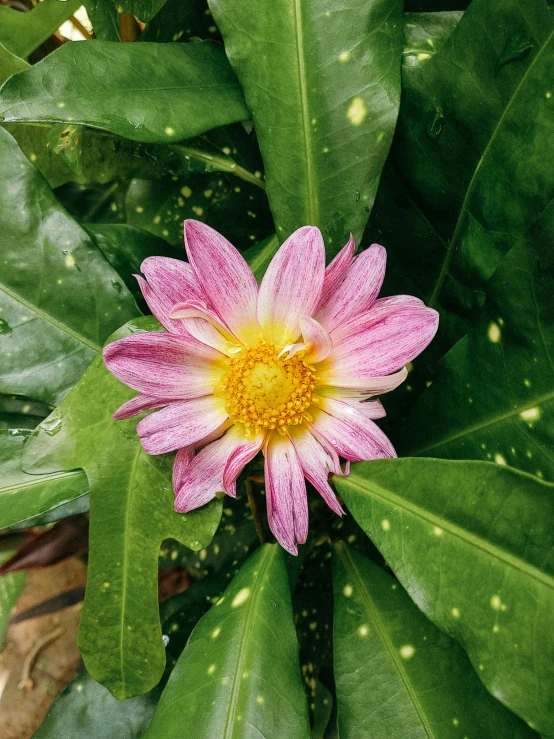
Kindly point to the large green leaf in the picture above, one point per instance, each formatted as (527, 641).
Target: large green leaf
(472, 543)
(474, 160)
(237, 209)
(22, 33)
(323, 86)
(10, 589)
(9, 63)
(396, 674)
(239, 674)
(125, 247)
(23, 496)
(157, 93)
(131, 513)
(493, 395)
(59, 297)
(87, 710)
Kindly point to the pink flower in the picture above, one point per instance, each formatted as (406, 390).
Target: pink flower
(285, 368)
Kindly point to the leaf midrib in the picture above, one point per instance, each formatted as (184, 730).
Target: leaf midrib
(49, 318)
(413, 509)
(312, 216)
(374, 616)
(452, 244)
(38, 480)
(478, 427)
(235, 688)
(125, 567)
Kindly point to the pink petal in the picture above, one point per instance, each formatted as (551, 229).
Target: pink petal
(385, 346)
(225, 277)
(238, 459)
(165, 366)
(138, 404)
(358, 290)
(381, 308)
(169, 281)
(287, 502)
(354, 436)
(316, 463)
(336, 272)
(182, 460)
(360, 386)
(182, 423)
(202, 478)
(372, 409)
(292, 284)
(313, 333)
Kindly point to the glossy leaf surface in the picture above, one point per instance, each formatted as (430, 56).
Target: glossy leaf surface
(23, 496)
(149, 92)
(323, 87)
(22, 33)
(472, 157)
(493, 395)
(59, 297)
(242, 662)
(472, 543)
(131, 513)
(396, 674)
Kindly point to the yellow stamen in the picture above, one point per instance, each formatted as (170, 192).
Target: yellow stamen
(265, 391)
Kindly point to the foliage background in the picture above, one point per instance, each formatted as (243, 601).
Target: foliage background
(427, 612)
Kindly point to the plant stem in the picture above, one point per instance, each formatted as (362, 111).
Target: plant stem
(254, 508)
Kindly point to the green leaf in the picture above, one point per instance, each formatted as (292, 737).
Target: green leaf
(66, 140)
(9, 64)
(324, 91)
(180, 20)
(156, 93)
(396, 674)
(472, 543)
(10, 590)
(425, 34)
(104, 18)
(242, 662)
(87, 710)
(22, 33)
(493, 394)
(131, 513)
(125, 247)
(59, 297)
(471, 156)
(237, 209)
(23, 496)
(144, 10)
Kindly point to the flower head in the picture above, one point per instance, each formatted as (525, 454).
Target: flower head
(286, 368)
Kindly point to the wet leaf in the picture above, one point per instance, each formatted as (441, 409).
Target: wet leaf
(396, 674)
(146, 92)
(472, 543)
(58, 300)
(324, 95)
(493, 396)
(131, 513)
(23, 496)
(242, 656)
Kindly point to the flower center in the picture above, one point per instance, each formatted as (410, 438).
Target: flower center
(263, 391)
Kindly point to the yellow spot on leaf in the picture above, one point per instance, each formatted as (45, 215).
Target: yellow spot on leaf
(357, 111)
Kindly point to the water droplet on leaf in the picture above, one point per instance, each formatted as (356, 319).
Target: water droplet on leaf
(434, 127)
